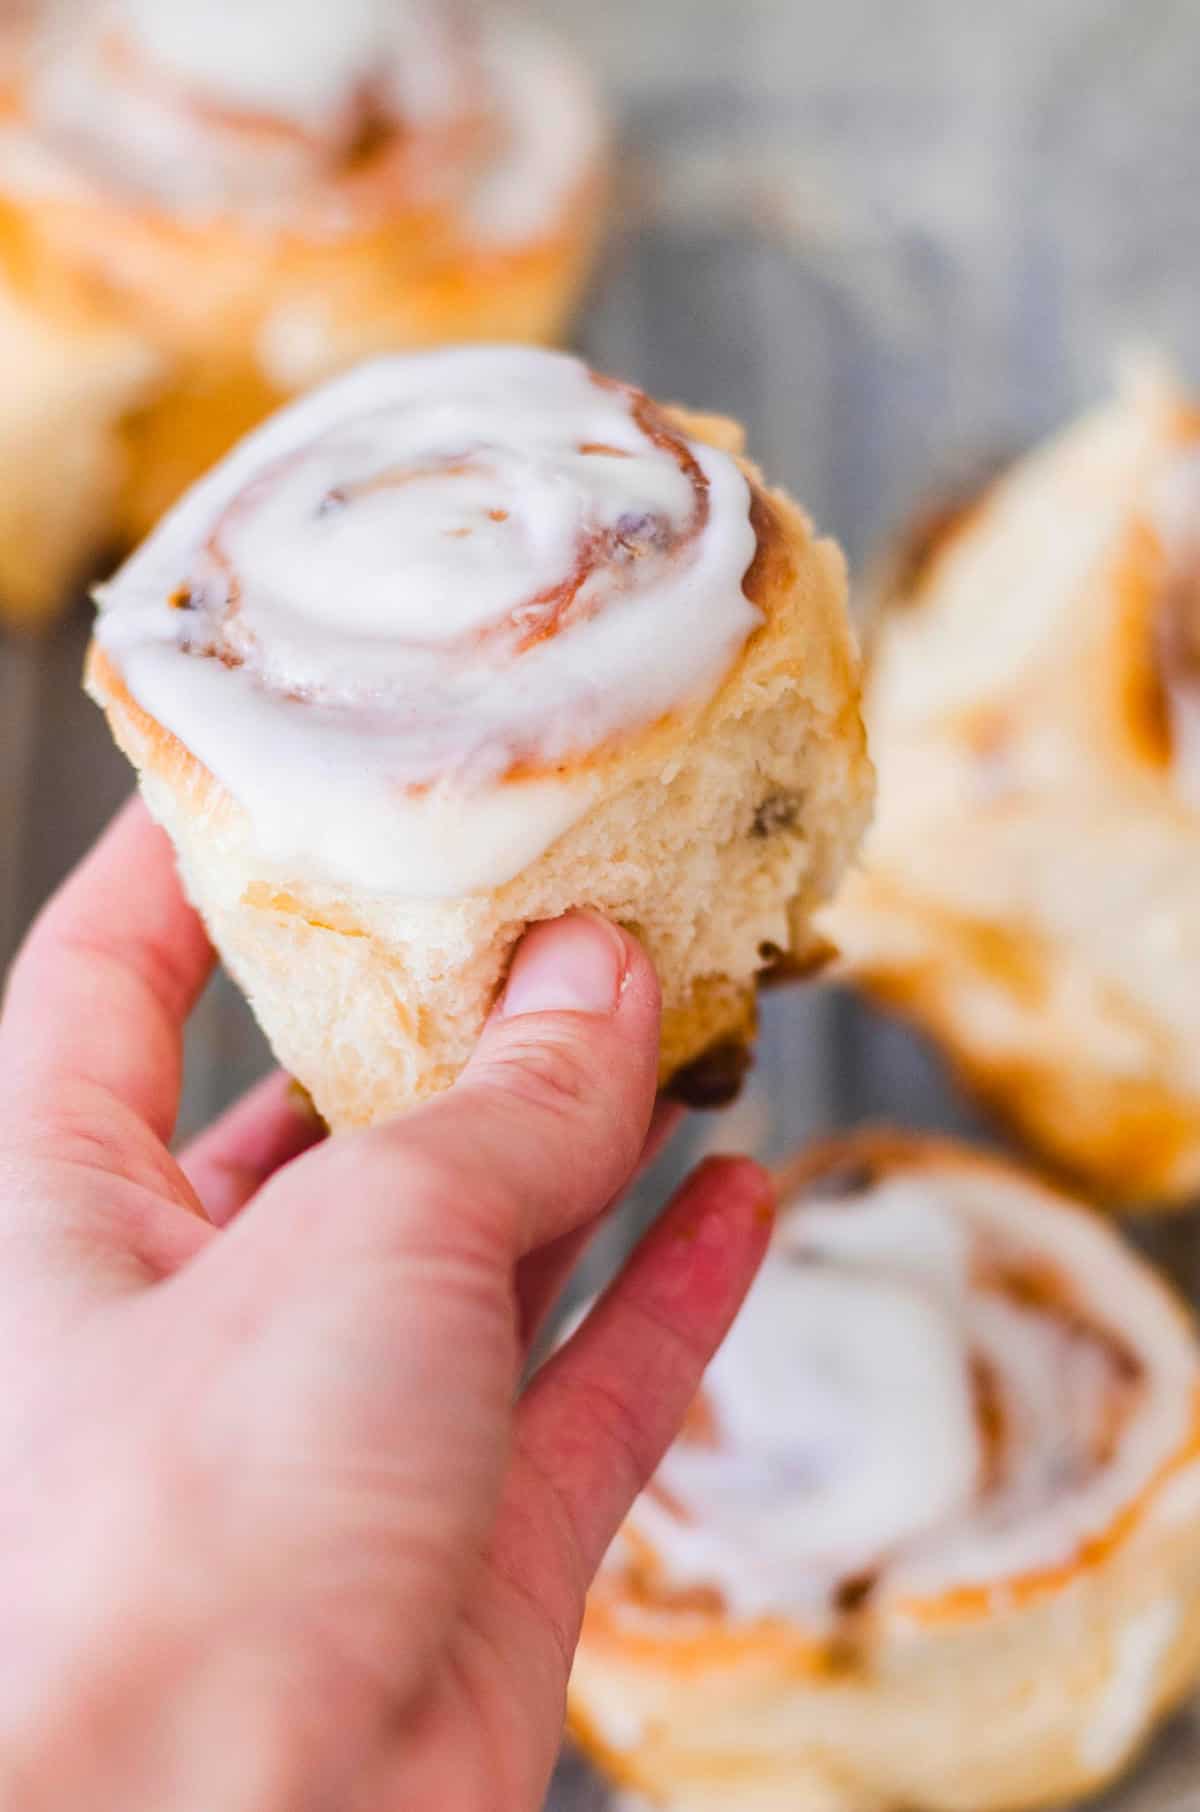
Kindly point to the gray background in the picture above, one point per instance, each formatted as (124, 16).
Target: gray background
(895, 237)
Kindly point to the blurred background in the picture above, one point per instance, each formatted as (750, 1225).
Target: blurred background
(898, 238)
(895, 237)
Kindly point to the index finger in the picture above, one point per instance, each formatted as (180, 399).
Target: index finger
(99, 994)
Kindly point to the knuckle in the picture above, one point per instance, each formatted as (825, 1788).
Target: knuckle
(450, 1204)
(681, 1356)
(551, 1532)
(555, 1076)
(426, 1177)
(618, 1427)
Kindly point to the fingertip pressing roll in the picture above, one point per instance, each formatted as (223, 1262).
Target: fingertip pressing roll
(461, 642)
(931, 1534)
(207, 210)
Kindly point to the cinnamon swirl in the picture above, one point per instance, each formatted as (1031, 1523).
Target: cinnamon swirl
(457, 643)
(204, 211)
(1030, 892)
(931, 1536)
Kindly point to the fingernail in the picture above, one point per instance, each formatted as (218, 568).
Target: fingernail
(710, 1227)
(575, 965)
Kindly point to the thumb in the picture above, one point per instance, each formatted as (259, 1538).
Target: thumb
(368, 1292)
(542, 1130)
(559, 1094)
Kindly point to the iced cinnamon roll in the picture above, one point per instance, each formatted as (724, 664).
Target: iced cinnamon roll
(931, 1536)
(458, 643)
(204, 210)
(1030, 892)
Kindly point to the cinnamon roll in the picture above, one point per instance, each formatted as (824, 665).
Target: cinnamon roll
(931, 1535)
(1030, 892)
(460, 642)
(205, 210)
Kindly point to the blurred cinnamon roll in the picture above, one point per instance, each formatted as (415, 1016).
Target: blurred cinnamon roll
(458, 643)
(204, 210)
(931, 1536)
(1030, 891)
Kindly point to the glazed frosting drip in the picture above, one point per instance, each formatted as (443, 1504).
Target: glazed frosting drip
(1176, 516)
(432, 592)
(928, 1390)
(334, 114)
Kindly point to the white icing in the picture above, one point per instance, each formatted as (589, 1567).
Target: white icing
(818, 1434)
(298, 60)
(252, 108)
(183, 105)
(1128, 1698)
(844, 1404)
(548, 136)
(388, 534)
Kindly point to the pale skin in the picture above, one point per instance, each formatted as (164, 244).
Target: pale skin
(278, 1530)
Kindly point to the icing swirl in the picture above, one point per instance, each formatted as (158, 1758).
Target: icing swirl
(295, 112)
(435, 591)
(942, 1385)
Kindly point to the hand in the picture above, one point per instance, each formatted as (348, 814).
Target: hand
(277, 1529)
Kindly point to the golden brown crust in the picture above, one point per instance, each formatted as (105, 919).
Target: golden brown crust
(148, 744)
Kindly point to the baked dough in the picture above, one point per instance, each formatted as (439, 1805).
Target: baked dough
(931, 1536)
(1030, 892)
(242, 200)
(461, 642)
